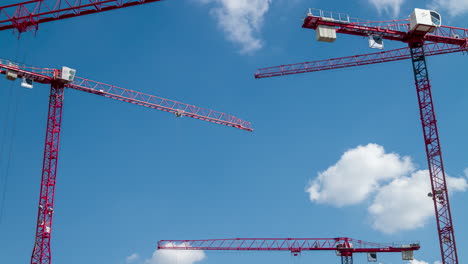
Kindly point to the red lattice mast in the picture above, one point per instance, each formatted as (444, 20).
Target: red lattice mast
(42, 252)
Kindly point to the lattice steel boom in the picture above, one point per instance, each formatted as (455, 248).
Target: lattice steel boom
(430, 49)
(343, 246)
(47, 76)
(28, 15)
(421, 43)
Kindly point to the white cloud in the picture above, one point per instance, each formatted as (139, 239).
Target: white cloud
(388, 6)
(452, 7)
(466, 172)
(456, 184)
(132, 258)
(241, 20)
(356, 175)
(176, 256)
(403, 204)
(396, 191)
(415, 261)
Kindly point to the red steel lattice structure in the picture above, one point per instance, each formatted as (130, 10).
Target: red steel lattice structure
(430, 49)
(345, 247)
(443, 40)
(28, 15)
(42, 251)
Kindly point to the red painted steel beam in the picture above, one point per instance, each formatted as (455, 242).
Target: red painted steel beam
(391, 31)
(158, 103)
(295, 245)
(46, 76)
(356, 60)
(449, 35)
(28, 15)
(358, 29)
(39, 75)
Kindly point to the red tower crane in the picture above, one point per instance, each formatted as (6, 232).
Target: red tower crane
(28, 15)
(64, 78)
(425, 37)
(343, 246)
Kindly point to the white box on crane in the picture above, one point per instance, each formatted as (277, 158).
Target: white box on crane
(11, 74)
(422, 20)
(325, 33)
(67, 74)
(407, 255)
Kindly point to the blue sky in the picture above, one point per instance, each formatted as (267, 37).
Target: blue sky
(324, 160)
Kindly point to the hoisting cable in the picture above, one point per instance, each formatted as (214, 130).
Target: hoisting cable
(9, 154)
